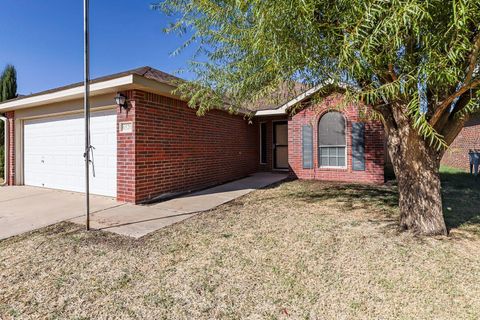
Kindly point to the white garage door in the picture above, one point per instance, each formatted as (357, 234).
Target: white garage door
(54, 147)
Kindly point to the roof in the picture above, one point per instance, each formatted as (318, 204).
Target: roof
(283, 94)
(148, 78)
(146, 72)
(284, 108)
(143, 77)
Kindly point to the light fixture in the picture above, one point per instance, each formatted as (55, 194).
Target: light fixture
(121, 101)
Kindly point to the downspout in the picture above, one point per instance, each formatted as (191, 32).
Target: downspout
(5, 154)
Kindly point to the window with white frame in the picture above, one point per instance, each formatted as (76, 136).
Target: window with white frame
(332, 143)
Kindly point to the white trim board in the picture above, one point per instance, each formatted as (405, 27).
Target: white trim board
(122, 83)
(66, 94)
(282, 110)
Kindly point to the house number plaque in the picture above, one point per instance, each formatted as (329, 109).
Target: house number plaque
(126, 127)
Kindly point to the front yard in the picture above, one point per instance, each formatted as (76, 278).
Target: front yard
(300, 250)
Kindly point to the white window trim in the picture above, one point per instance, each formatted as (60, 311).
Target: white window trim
(333, 167)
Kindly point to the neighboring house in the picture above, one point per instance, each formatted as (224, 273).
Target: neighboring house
(467, 140)
(159, 147)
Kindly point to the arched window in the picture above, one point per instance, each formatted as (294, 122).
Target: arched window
(332, 145)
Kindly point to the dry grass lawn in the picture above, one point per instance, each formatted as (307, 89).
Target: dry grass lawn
(299, 250)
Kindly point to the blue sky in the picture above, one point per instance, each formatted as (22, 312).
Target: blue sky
(44, 40)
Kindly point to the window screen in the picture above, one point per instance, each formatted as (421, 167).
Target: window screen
(263, 143)
(331, 140)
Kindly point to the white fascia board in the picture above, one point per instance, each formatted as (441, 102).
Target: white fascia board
(284, 108)
(157, 87)
(272, 112)
(68, 94)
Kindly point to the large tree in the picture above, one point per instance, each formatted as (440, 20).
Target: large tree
(8, 90)
(415, 62)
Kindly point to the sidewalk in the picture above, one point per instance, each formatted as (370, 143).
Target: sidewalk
(137, 221)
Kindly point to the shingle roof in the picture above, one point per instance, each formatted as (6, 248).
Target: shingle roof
(154, 74)
(284, 94)
(146, 72)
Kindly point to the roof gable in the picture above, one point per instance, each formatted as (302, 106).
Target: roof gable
(328, 87)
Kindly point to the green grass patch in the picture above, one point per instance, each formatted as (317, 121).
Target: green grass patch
(461, 199)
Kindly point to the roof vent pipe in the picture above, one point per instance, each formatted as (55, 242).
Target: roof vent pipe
(5, 154)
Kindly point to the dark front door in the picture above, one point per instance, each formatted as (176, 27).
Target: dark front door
(280, 145)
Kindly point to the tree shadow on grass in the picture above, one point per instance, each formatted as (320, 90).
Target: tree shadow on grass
(460, 192)
(461, 200)
(351, 196)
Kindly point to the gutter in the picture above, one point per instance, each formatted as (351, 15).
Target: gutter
(5, 154)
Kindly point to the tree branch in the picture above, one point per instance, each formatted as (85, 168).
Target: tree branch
(463, 102)
(447, 116)
(473, 59)
(468, 84)
(452, 129)
(450, 124)
(386, 112)
(392, 73)
(448, 101)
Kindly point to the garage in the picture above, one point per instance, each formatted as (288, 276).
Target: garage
(53, 153)
(148, 143)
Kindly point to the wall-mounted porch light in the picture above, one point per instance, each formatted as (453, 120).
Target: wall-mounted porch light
(121, 101)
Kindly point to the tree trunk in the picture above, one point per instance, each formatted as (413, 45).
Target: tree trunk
(416, 165)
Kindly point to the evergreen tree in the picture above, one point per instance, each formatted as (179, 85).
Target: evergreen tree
(8, 83)
(8, 90)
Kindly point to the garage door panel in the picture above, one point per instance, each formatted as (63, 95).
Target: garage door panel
(54, 147)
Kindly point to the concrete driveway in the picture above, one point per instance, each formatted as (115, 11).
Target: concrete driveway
(24, 209)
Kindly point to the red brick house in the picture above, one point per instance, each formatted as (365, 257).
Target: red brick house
(467, 140)
(322, 141)
(158, 146)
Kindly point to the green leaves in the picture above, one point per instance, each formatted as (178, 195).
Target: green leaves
(383, 48)
(8, 90)
(421, 124)
(8, 83)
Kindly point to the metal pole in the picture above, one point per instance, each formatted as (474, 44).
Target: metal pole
(87, 107)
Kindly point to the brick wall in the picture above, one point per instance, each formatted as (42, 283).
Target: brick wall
(177, 151)
(10, 148)
(374, 145)
(468, 139)
(126, 152)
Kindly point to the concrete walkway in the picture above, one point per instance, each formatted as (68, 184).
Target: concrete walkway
(137, 221)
